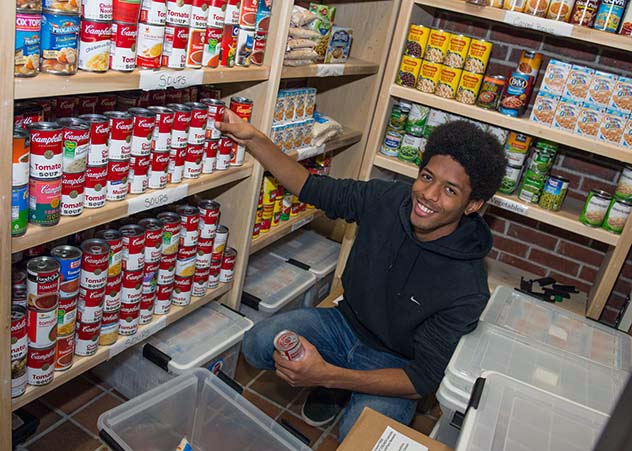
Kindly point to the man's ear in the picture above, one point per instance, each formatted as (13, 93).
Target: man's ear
(473, 206)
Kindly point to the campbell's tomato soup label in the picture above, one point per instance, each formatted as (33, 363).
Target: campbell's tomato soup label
(128, 318)
(133, 251)
(197, 126)
(195, 47)
(179, 12)
(161, 140)
(96, 187)
(46, 152)
(64, 352)
(213, 277)
(181, 294)
(123, 47)
(200, 285)
(87, 338)
(44, 201)
(113, 287)
(162, 303)
(149, 47)
(40, 365)
(42, 327)
(138, 174)
(19, 340)
(99, 132)
(210, 155)
(216, 14)
(180, 131)
(96, 9)
(117, 185)
(131, 290)
(193, 161)
(153, 12)
(199, 13)
(167, 269)
(94, 271)
(120, 143)
(176, 165)
(94, 45)
(88, 311)
(72, 193)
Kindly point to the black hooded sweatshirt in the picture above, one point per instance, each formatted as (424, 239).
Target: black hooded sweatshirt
(412, 298)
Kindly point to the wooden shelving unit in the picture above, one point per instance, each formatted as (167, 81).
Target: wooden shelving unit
(346, 139)
(353, 66)
(284, 228)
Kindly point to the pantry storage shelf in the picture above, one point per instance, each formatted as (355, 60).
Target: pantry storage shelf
(353, 66)
(83, 364)
(521, 125)
(45, 85)
(347, 138)
(567, 31)
(90, 218)
(284, 228)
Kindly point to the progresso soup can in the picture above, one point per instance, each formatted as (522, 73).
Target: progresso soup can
(27, 43)
(59, 42)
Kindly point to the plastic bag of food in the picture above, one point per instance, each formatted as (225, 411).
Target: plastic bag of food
(302, 33)
(300, 43)
(324, 128)
(296, 63)
(301, 16)
(301, 54)
(322, 25)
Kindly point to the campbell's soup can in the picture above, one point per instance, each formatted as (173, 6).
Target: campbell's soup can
(185, 263)
(167, 269)
(181, 294)
(149, 46)
(99, 133)
(117, 185)
(42, 327)
(179, 12)
(228, 265)
(200, 282)
(72, 193)
(20, 165)
(109, 328)
(211, 147)
(153, 12)
(114, 238)
(27, 113)
(204, 253)
(67, 315)
(162, 304)
(112, 300)
(126, 10)
(170, 232)
(146, 314)
(158, 170)
(94, 264)
(174, 51)
(90, 305)
(94, 45)
(95, 191)
(40, 365)
(248, 13)
(87, 338)
(18, 376)
(195, 47)
(96, 9)
(150, 277)
(259, 47)
(229, 45)
(69, 259)
(181, 122)
(42, 283)
(153, 239)
(189, 222)
(213, 277)
(216, 14)
(46, 150)
(75, 144)
(224, 153)
(215, 112)
(106, 102)
(64, 352)
(161, 139)
(44, 201)
(132, 287)
(143, 131)
(19, 339)
(212, 46)
(232, 12)
(197, 125)
(138, 174)
(193, 161)
(209, 217)
(133, 247)
(176, 164)
(123, 47)
(120, 142)
(88, 102)
(128, 318)
(241, 106)
(199, 13)
(219, 243)
(66, 106)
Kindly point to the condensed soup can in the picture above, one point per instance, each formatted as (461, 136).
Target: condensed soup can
(87, 338)
(126, 10)
(67, 315)
(211, 147)
(94, 264)
(153, 239)
(95, 191)
(146, 314)
(177, 157)
(167, 269)
(64, 352)
(19, 210)
(21, 153)
(195, 47)
(138, 174)
(117, 184)
(215, 112)
(99, 133)
(112, 300)
(229, 45)
(224, 153)
(46, 156)
(149, 45)
(44, 201)
(40, 365)
(213, 277)
(212, 46)
(197, 125)
(75, 144)
(114, 238)
(158, 170)
(42, 327)
(109, 328)
(161, 140)
(94, 45)
(42, 283)
(228, 265)
(18, 286)
(181, 122)
(162, 304)
(221, 237)
(179, 12)
(143, 131)
(153, 12)
(204, 253)
(59, 42)
(19, 338)
(189, 222)
(185, 263)
(123, 46)
(199, 13)
(18, 376)
(209, 218)
(133, 247)
(241, 106)
(96, 9)
(216, 14)
(193, 161)
(120, 141)
(69, 259)
(27, 43)
(289, 345)
(181, 294)
(132, 288)
(174, 51)
(200, 282)
(128, 318)
(171, 232)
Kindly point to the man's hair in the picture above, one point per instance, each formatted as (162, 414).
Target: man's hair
(479, 152)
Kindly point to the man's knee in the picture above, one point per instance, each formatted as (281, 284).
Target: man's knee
(256, 347)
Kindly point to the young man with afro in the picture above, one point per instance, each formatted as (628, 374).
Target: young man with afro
(414, 282)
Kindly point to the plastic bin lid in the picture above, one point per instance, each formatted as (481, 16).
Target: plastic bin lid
(320, 254)
(200, 337)
(197, 406)
(447, 399)
(496, 349)
(552, 325)
(514, 416)
(274, 281)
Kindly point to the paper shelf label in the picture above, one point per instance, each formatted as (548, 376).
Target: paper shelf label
(511, 205)
(156, 198)
(163, 79)
(330, 70)
(144, 332)
(308, 152)
(298, 224)
(538, 23)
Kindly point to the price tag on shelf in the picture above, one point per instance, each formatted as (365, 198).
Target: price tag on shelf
(144, 332)
(508, 204)
(308, 152)
(538, 23)
(297, 225)
(330, 70)
(163, 79)
(156, 198)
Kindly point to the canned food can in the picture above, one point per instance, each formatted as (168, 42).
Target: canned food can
(478, 56)
(149, 46)
(448, 82)
(98, 142)
(181, 294)
(150, 277)
(553, 193)
(171, 232)
(211, 146)
(219, 243)
(624, 184)
(259, 47)
(193, 161)
(146, 314)
(626, 23)
(69, 259)
(109, 329)
(19, 210)
(408, 71)
(42, 283)
(117, 183)
(75, 144)
(18, 286)
(515, 5)
(94, 45)
(67, 315)
(416, 41)
(94, 264)
(174, 52)
(27, 43)
(114, 239)
(162, 304)
(228, 265)
(537, 8)
(437, 47)
(212, 46)
(46, 156)
(143, 131)
(40, 365)
(126, 10)
(44, 201)
(530, 189)
(112, 301)
(106, 102)
(215, 112)
(229, 45)
(20, 160)
(216, 13)
(59, 42)
(584, 12)
(64, 352)
(88, 102)
(245, 45)
(185, 263)
(158, 170)
(123, 46)
(391, 143)
(617, 215)
(189, 223)
(87, 338)
(161, 139)
(121, 126)
(179, 12)
(222, 161)
(204, 253)
(96, 9)
(66, 107)
(18, 376)
(19, 337)
(289, 345)
(458, 47)
(128, 319)
(27, 113)
(138, 178)
(410, 148)
(516, 97)
(195, 47)
(167, 269)
(133, 247)
(491, 92)
(416, 121)
(132, 287)
(242, 107)
(197, 125)
(181, 122)
(469, 87)
(42, 327)
(153, 12)
(153, 239)
(200, 282)
(560, 10)
(209, 218)
(530, 63)
(429, 76)
(95, 190)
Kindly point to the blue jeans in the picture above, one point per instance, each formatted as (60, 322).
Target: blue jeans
(328, 331)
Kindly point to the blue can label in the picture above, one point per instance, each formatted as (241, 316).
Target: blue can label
(60, 35)
(27, 43)
(609, 15)
(516, 97)
(19, 209)
(69, 269)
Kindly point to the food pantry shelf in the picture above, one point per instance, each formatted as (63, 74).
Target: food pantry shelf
(45, 85)
(284, 228)
(567, 218)
(537, 24)
(512, 123)
(347, 138)
(132, 204)
(83, 364)
(353, 66)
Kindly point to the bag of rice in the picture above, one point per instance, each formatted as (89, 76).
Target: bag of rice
(300, 43)
(301, 16)
(302, 33)
(301, 54)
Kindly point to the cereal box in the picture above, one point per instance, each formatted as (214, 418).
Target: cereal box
(299, 108)
(578, 82)
(275, 134)
(544, 108)
(612, 126)
(310, 102)
(566, 114)
(626, 139)
(308, 127)
(589, 119)
(622, 96)
(601, 88)
(555, 77)
(339, 45)
(290, 105)
(279, 108)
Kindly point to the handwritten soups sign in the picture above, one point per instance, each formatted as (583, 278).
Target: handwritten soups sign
(164, 79)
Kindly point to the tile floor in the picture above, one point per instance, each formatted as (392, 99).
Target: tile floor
(68, 415)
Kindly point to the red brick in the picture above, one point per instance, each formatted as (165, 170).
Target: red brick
(563, 279)
(510, 246)
(580, 253)
(609, 316)
(564, 234)
(570, 50)
(579, 195)
(500, 52)
(616, 301)
(513, 217)
(532, 236)
(590, 184)
(493, 254)
(588, 274)
(623, 285)
(615, 60)
(516, 36)
(599, 246)
(626, 271)
(465, 25)
(590, 168)
(554, 262)
(496, 68)
(495, 223)
(522, 264)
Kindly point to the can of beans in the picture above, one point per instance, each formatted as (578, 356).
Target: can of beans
(94, 45)
(87, 338)
(170, 232)
(437, 47)
(215, 112)
(109, 328)
(516, 97)
(158, 170)
(46, 150)
(197, 125)
(229, 45)
(123, 46)
(153, 12)
(491, 92)
(143, 131)
(114, 239)
(195, 47)
(75, 144)
(449, 79)
(42, 283)
(204, 252)
(478, 56)
(121, 125)
(212, 46)
(189, 223)
(153, 239)
(211, 147)
(67, 315)
(224, 153)
(149, 47)
(19, 339)
(44, 201)
(21, 152)
(95, 191)
(227, 269)
(458, 46)
(112, 301)
(162, 304)
(209, 218)
(94, 264)
(133, 247)
(174, 51)
(416, 41)
(181, 121)
(241, 106)
(69, 259)
(40, 365)
(117, 184)
(59, 42)
(161, 139)
(27, 43)
(128, 318)
(219, 243)
(132, 287)
(18, 376)
(98, 144)
(193, 161)
(179, 12)
(181, 294)
(167, 269)
(139, 173)
(42, 327)
(289, 345)
(468, 88)
(19, 209)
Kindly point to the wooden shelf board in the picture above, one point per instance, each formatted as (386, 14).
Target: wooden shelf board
(284, 228)
(521, 125)
(567, 218)
(115, 210)
(347, 138)
(498, 15)
(44, 85)
(83, 364)
(353, 66)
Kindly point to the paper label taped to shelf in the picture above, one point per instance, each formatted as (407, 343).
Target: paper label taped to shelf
(538, 23)
(156, 198)
(143, 332)
(330, 70)
(298, 224)
(511, 205)
(392, 440)
(164, 79)
(308, 152)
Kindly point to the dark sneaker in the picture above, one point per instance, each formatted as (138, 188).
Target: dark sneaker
(323, 405)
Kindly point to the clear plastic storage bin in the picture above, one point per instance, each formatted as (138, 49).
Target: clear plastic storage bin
(313, 252)
(553, 326)
(197, 406)
(207, 338)
(273, 286)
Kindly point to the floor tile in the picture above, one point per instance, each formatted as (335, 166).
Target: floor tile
(265, 406)
(423, 424)
(270, 386)
(65, 437)
(308, 431)
(46, 416)
(88, 417)
(245, 372)
(297, 404)
(72, 395)
(329, 444)
(97, 380)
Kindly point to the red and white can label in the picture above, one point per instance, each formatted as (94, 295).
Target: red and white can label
(113, 293)
(158, 170)
(179, 12)
(75, 144)
(64, 352)
(153, 245)
(133, 252)
(46, 153)
(150, 280)
(181, 294)
(224, 153)
(132, 288)
(215, 113)
(248, 13)
(200, 278)
(94, 271)
(185, 264)
(162, 131)
(106, 102)
(87, 338)
(228, 265)
(209, 219)
(195, 47)
(120, 146)
(128, 318)
(189, 230)
(40, 365)
(123, 47)
(138, 173)
(174, 50)
(96, 9)
(42, 327)
(89, 102)
(19, 340)
(216, 14)
(98, 151)
(42, 288)
(72, 198)
(149, 48)
(94, 45)
(153, 12)
(170, 235)
(157, 98)
(147, 307)
(212, 46)
(232, 12)
(167, 269)
(229, 45)
(180, 131)
(199, 13)
(142, 135)
(110, 318)
(96, 186)
(203, 256)
(213, 277)
(67, 315)
(193, 161)
(146, 315)
(197, 127)
(117, 185)
(162, 304)
(176, 165)
(211, 147)
(88, 311)
(66, 106)
(115, 241)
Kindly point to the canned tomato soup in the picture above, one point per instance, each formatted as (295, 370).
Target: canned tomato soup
(197, 126)
(114, 239)
(143, 131)
(112, 300)
(40, 365)
(215, 112)
(123, 46)
(46, 157)
(19, 338)
(42, 283)
(59, 42)
(87, 338)
(167, 269)
(95, 191)
(181, 294)
(44, 201)
(138, 174)
(200, 282)
(94, 45)
(228, 264)
(75, 144)
(153, 12)
(98, 142)
(69, 258)
(161, 139)
(193, 161)
(209, 217)
(224, 153)
(133, 247)
(288, 343)
(162, 304)
(27, 43)
(211, 147)
(94, 264)
(128, 318)
(190, 218)
(64, 352)
(158, 170)
(241, 106)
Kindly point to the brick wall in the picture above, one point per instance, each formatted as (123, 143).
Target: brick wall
(523, 242)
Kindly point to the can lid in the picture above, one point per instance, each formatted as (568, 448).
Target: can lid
(179, 107)
(238, 99)
(230, 252)
(73, 122)
(20, 133)
(95, 246)
(45, 126)
(187, 210)
(196, 105)
(151, 224)
(620, 200)
(94, 117)
(209, 204)
(160, 109)
(132, 230)
(168, 217)
(600, 193)
(65, 251)
(144, 112)
(221, 229)
(61, 13)
(42, 263)
(499, 77)
(109, 234)
(117, 115)
(209, 101)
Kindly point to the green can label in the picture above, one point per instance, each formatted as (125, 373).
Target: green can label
(617, 215)
(510, 180)
(624, 186)
(409, 150)
(417, 119)
(44, 201)
(19, 209)
(594, 210)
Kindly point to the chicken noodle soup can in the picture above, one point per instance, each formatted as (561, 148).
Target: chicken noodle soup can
(44, 201)
(289, 345)
(138, 177)
(27, 43)
(40, 365)
(595, 208)
(59, 42)
(87, 338)
(143, 131)
(149, 45)
(121, 126)
(96, 9)
(112, 300)
(94, 45)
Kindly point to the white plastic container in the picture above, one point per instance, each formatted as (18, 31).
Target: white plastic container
(311, 251)
(208, 338)
(445, 431)
(273, 286)
(511, 415)
(556, 327)
(197, 406)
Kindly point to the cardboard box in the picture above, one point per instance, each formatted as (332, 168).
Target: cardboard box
(371, 427)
